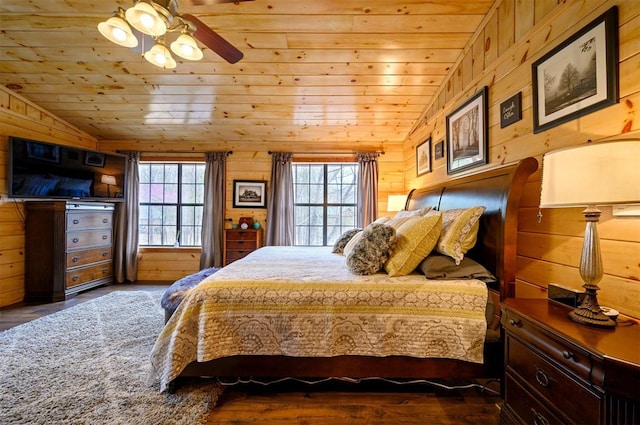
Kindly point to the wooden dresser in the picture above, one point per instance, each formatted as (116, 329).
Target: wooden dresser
(238, 243)
(68, 248)
(561, 372)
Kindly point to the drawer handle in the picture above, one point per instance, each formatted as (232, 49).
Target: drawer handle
(104, 237)
(75, 259)
(76, 221)
(104, 254)
(75, 240)
(105, 270)
(75, 277)
(515, 322)
(539, 419)
(104, 220)
(542, 378)
(569, 355)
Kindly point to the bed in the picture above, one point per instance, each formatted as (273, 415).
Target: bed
(213, 332)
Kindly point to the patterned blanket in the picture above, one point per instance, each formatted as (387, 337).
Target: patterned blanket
(303, 301)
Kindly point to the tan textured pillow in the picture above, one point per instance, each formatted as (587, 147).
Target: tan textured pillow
(415, 240)
(459, 231)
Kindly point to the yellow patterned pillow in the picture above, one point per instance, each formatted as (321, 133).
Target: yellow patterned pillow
(415, 240)
(459, 231)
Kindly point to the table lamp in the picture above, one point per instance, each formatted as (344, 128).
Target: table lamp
(396, 202)
(109, 181)
(591, 175)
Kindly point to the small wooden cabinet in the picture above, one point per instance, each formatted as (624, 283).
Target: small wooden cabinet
(560, 372)
(238, 243)
(68, 248)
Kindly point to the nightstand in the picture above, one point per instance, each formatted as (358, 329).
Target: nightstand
(238, 243)
(558, 371)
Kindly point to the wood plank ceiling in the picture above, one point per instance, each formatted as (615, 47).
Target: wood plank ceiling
(316, 72)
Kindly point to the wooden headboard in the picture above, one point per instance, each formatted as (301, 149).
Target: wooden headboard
(499, 191)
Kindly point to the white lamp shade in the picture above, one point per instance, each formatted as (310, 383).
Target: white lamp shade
(145, 19)
(107, 179)
(160, 56)
(593, 174)
(396, 202)
(185, 47)
(117, 30)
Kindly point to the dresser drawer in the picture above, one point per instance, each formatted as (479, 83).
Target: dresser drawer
(233, 244)
(87, 274)
(91, 220)
(569, 356)
(81, 258)
(238, 254)
(241, 235)
(87, 238)
(526, 407)
(567, 395)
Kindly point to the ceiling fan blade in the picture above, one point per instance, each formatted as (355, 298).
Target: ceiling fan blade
(213, 41)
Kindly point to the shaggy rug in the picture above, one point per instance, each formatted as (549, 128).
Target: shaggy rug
(89, 364)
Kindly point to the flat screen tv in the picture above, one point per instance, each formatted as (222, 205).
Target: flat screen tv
(39, 170)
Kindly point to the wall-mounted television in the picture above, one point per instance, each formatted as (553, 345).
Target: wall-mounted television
(39, 170)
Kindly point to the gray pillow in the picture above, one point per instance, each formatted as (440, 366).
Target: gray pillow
(443, 267)
(372, 250)
(338, 247)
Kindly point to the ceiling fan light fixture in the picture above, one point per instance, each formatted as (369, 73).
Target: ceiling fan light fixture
(146, 19)
(118, 31)
(186, 47)
(160, 56)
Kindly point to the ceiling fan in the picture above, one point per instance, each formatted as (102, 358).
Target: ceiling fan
(157, 17)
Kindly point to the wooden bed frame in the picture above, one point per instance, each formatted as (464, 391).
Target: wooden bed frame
(499, 190)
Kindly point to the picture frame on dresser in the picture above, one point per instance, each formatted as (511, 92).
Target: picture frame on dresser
(579, 76)
(468, 132)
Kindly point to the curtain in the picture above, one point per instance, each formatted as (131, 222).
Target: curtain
(214, 209)
(125, 241)
(280, 224)
(367, 187)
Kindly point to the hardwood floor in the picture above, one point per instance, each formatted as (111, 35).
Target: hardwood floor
(330, 403)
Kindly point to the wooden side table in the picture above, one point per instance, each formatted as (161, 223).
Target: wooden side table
(238, 243)
(558, 371)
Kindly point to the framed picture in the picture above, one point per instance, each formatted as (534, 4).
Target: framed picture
(423, 157)
(43, 151)
(579, 76)
(511, 110)
(95, 159)
(249, 194)
(467, 133)
(438, 152)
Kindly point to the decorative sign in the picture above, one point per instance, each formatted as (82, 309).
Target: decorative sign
(511, 110)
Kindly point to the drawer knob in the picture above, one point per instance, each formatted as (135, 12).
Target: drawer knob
(75, 277)
(539, 419)
(569, 355)
(75, 240)
(542, 378)
(515, 322)
(105, 270)
(105, 253)
(75, 259)
(76, 221)
(104, 237)
(104, 220)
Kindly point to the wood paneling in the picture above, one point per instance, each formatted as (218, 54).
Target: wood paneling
(549, 250)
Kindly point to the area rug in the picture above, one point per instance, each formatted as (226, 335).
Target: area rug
(89, 364)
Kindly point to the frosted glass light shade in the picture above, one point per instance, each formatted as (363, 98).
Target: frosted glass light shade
(160, 56)
(185, 47)
(396, 202)
(118, 31)
(145, 19)
(603, 173)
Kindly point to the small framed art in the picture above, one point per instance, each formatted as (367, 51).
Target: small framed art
(423, 157)
(249, 194)
(467, 133)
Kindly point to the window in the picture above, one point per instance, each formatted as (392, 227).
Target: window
(325, 201)
(171, 202)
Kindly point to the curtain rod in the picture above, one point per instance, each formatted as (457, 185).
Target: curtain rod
(328, 153)
(171, 152)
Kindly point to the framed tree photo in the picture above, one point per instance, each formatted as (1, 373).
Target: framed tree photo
(467, 133)
(579, 76)
(249, 194)
(423, 157)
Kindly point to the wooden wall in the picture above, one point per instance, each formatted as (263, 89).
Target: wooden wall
(514, 35)
(19, 117)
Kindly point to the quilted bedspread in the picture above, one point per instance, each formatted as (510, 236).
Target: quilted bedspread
(303, 301)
